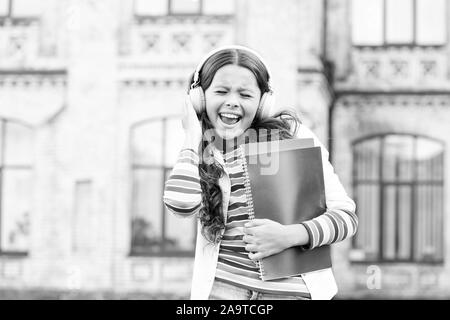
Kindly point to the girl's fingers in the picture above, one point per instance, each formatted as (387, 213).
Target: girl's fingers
(255, 223)
(248, 231)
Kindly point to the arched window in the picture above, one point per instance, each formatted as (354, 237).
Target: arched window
(16, 154)
(155, 145)
(398, 183)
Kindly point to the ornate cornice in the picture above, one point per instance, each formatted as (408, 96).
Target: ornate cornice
(391, 99)
(32, 78)
(25, 21)
(152, 83)
(32, 96)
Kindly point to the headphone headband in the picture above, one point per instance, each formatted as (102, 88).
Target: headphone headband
(227, 47)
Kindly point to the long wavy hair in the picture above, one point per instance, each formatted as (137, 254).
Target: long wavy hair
(286, 123)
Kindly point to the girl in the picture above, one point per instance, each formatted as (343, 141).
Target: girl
(230, 91)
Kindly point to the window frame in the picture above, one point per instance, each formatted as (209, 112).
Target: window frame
(198, 13)
(25, 20)
(133, 252)
(3, 168)
(414, 43)
(170, 12)
(382, 183)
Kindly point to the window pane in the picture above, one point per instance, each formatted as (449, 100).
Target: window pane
(368, 202)
(150, 8)
(18, 144)
(419, 221)
(389, 223)
(397, 158)
(2, 149)
(179, 233)
(404, 207)
(147, 143)
(174, 140)
(218, 7)
(429, 160)
(367, 22)
(438, 167)
(373, 214)
(429, 223)
(426, 249)
(16, 210)
(438, 202)
(429, 246)
(4, 5)
(368, 158)
(399, 21)
(185, 6)
(26, 8)
(431, 22)
(84, 224)
(147, 210)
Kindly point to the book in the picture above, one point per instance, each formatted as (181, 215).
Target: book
(290, 192)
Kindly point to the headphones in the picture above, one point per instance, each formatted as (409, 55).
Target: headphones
(266, 106)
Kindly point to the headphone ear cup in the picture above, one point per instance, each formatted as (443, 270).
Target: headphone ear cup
(198, 99)
(266, 107)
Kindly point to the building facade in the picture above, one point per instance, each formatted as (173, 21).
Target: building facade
(91, 94)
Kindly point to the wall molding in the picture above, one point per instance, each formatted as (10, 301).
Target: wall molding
(32, 78)
(390, 99)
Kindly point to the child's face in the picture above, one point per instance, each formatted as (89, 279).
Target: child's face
(232, 100)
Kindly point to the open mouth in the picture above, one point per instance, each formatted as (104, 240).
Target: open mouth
(229, 118)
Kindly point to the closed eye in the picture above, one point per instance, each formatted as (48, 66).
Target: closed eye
(220, 92)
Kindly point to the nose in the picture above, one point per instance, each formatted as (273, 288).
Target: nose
(232, 101)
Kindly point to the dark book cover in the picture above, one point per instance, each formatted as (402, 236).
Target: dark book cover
(285, 183)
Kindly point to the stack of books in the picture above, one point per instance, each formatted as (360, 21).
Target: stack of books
(284, 182)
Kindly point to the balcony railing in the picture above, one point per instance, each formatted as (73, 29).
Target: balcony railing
(156, 41)
(398, 67)
(29, 44)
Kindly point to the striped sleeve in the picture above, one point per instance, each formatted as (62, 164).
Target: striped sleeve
(339, 221)
(182, 191)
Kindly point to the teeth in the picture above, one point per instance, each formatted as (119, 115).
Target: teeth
(229, 115)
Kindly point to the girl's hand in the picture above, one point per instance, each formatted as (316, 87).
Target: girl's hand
(191, 125)
(264, 237)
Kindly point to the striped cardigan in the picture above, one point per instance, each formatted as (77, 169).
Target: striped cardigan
(182, 196)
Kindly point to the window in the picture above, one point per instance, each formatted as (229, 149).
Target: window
(4, 8)
(15, 187)
(399, 22)
(20, 9)
(183, 7)
(84, 220)
(155, 145)
(398, 183)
